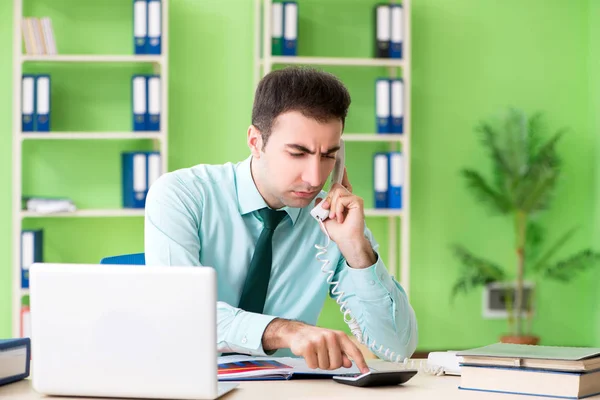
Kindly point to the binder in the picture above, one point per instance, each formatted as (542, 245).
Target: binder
(290, 28)
(382, 31)
(42, 103)
(139, 171)
(380, 179)
(154, 42)
(397, 30)
(27, 102)
(397, 106)
(382, 105)
(396, 179)
(25, 327)
(153, 104)
(277, 29)
(139, 102)
(140, 26)
(32, 251)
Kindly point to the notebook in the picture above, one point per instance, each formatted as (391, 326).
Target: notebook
(241, 367)
(529, 356)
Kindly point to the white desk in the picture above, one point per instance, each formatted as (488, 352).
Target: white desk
(421, 386)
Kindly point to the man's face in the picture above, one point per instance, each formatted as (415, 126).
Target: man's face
(299, 155)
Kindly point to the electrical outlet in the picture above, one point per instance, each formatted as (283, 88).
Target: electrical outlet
(495, 295)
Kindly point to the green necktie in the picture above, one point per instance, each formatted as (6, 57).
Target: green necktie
(257, 281)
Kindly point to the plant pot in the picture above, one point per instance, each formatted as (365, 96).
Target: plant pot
(523, 339)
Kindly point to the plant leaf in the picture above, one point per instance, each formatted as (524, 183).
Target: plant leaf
(476, 271)
(533, 241)
(560, 242)
(485, 193)
(567, 269)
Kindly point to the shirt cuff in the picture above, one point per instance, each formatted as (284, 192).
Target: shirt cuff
(371, 283)
(246, 333)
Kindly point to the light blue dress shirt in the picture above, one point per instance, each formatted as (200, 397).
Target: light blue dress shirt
(207, 215)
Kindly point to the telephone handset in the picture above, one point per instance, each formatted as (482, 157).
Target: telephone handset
(336, 177)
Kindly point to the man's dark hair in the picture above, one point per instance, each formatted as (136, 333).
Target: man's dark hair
(316, 94)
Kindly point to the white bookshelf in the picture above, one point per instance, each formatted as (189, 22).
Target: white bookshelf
(399, 266)
(93, 136)
(159, 65)
(87, 213)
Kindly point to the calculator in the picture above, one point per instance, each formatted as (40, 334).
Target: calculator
(376, 378)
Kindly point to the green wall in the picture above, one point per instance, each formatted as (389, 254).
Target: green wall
(469, 59)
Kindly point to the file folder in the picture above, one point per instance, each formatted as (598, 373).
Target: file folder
(277, 29)
(140, 169)
(382, 31)
(397, 31)
(397, 106)
(32, 251)
(134, 179)
(42, 103)
(27, 103)
(140, 26)
(396, 181)
(153, 118)
(380, 179)
(154, 42)
(139, 102)
(154, 168)
(290, 28)
(382, 105)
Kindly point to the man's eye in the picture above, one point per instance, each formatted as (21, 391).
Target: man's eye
(296, 154)
(331, 156)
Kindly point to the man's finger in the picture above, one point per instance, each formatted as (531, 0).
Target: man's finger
(335, 352)
(346, 182)
(322, 354)
(346, 361)
(311, 358)
(354, 353)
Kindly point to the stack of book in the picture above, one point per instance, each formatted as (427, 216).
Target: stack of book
(561, 372)
(38, 36)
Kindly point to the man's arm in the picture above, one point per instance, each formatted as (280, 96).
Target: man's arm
(171, 237)
(385, 318)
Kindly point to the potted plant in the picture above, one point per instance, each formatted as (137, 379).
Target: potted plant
(526, 169)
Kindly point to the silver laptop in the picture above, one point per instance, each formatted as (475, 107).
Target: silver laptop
(124, 331)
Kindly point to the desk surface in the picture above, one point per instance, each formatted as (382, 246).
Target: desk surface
(421, 386)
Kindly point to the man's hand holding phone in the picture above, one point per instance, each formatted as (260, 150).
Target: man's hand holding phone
(346, 224)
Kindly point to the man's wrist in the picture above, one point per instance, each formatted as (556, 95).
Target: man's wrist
(277, 334)
(358, 253)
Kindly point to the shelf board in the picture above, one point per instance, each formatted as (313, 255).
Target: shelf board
(373, 137)
(98, 213)
(91, 135)
(383, 212)
(354, 62)
(93, 58)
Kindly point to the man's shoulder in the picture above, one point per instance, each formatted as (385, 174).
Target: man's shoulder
(195, 180)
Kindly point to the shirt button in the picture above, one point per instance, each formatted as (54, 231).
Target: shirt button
(244, 340)
(372, 282)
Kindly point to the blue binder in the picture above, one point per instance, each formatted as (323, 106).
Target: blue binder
(396, 179)
(139, 170)
(32, 251)
(139, 101)
(27, 102)
(153, 103)
(380, 179)
(382, 105)
(154, 42)
(42, 103)
(140, 26)
(290, 28)
(397, 106)
(397, 30)
(13, 348)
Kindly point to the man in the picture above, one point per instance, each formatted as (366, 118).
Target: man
(251, 222)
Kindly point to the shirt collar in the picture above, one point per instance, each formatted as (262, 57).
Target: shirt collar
(248, 197)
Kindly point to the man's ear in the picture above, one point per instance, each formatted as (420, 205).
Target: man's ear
(254, 141)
